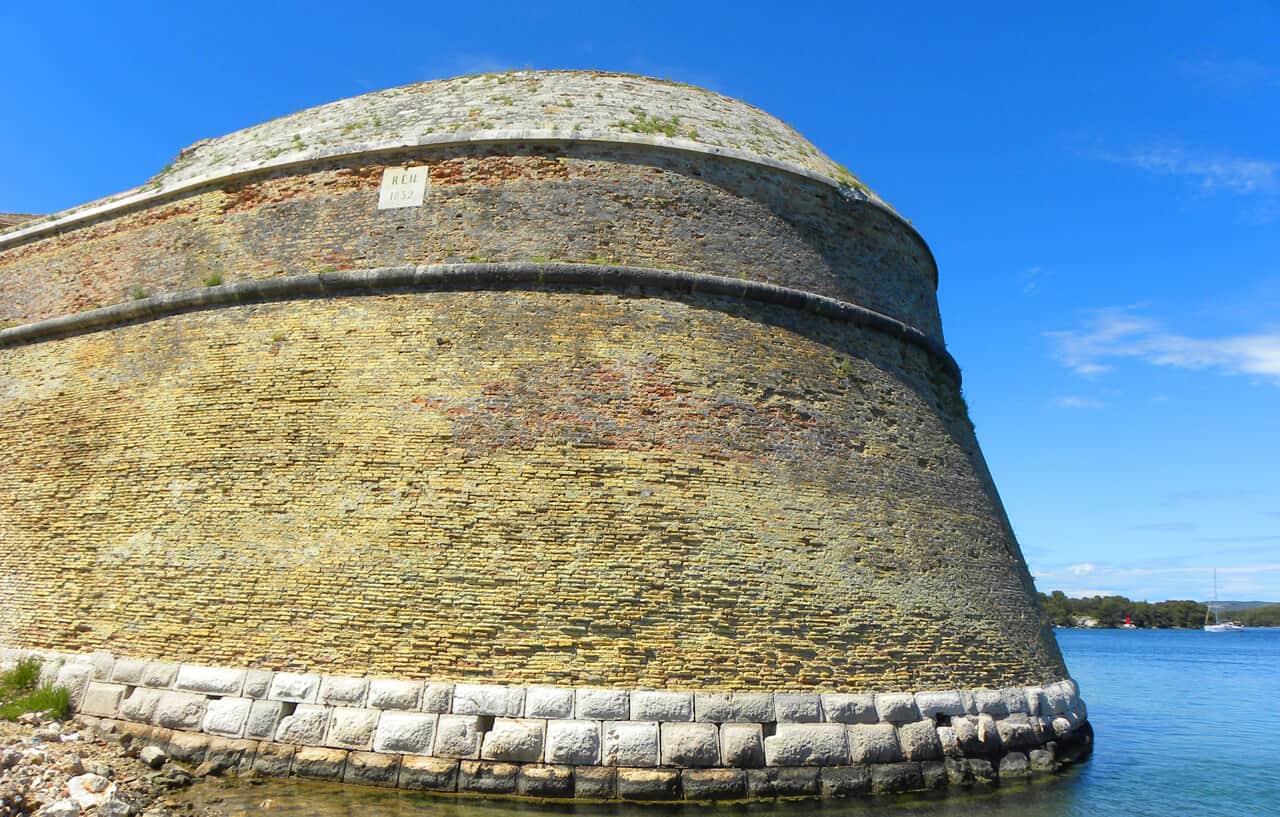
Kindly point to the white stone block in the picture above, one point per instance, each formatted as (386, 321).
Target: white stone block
(340, 690)
(514, 740)
(548, 702)
(742, 745)
(437, 698)
(103, 662)
(919, 741)
(602, 704)
(630, 743)
(1015, 700)
(874, 743)
(351, 728)
(843, 708)
(897, 707)
(140, 705)
(457, 736)
(933, 704)
(75, 679)
(488, 699)
(293, 687)
(713, 707)
(797, 707)
(129, 671)
(264, 717)
(752, 707)
(210, 680)
(990, 702)
(390, 693)
(572, 742)
(654, 705)
(180, 710)
(807, 744)
(306, 726)
(257, 683)
(1035, 698)
(410, 733)
(159, 674)
(227, 716)
(102, 699)
(690, 744)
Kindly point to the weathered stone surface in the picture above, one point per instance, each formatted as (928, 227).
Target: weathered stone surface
(573, 742)
(544, 781)
(1014, 764)
(153, 756)
(752, 707)
(295, 687)
(897, 707)
(797, 708)
(227, 716)
(75, 679)
(807, 744)
(437, 698)
(981, 771)
(488, 699)
(306, 726)
(371, 769)
(257, 683)
(891, 778)
(353, 728)
(989, 736)
(630, 743)
(187, 747)
(320, 764)
(648, 784)
(264, 717)
(274, 759)
(548, 702)
(428, 773)
(1041, 760)
(1015, 700)
(457, 736)
(340, 690)
(516, 740)
(651, 705)
(595, 782)
(990, 702)
(850, 708)
(690, 744)
(713, 784)
(230, 755)
(102, 699)
(128, 671)
(874, 743)
(742, 745)
(487, 777)
(783, 782)
(919, 741)
(1016, 733)
(140, 705)
(159, 674)
(388, 693)
(713, 707)
(950, 743)
(179, 710)
(210, 680)
(846, 781)
(934, 773)
(415, 733)
(933, 704)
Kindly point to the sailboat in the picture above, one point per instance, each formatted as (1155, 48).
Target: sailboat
(1218, 625)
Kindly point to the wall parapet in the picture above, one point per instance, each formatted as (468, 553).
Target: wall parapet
(584, 742)
(454, 277)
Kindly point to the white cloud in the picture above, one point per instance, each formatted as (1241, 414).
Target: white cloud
(1074, 401)
(1082, 569)
(1212, 172)
(1116, 333)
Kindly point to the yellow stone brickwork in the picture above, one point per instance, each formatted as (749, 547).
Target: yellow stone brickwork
(526, 487)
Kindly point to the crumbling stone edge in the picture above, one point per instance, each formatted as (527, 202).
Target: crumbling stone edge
(473, 276)
(562, 742)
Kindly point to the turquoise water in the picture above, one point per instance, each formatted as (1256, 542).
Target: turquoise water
(1187, 723)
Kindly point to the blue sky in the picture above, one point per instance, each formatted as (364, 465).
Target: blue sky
(1100, 183)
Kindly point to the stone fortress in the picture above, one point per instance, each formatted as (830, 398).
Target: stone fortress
(559, 434)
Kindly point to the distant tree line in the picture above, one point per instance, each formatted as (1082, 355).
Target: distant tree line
(1110, 611)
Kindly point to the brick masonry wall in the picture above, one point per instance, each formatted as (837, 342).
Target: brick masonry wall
(600, 203)
(523, 487)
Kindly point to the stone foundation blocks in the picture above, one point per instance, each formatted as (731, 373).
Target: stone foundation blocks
(894, 778)
(187, 747)
(352, 728)
(874, 743)
(338, 690)
(486, 777)
(516, 740)
(371, 769)
(933, 704)
(545, 781)
(292, 687)
(602, 704)
(428, 773)
(487, 699)
(713, 707)
(129, 671)
(140, 705)
(752, 707)
(807, 744)
(783, 782)
(850, 708)
(897, 707)
(210, 680)
(180, 710)
(548, 702)
(320, 764)
(458, 736)
(630, 743)
(648, 784)
(648, 705)
(797, 708)
(263, 718)
(695, 745)
(573, 742)
(919, 741)
(845, 781)
(102, 699)
(274, 759)
(713, 784)
(742, 745)
(387, 693)
(227, 716)
(595, 782)
(410, 733)
(437, 698)
(306, 726)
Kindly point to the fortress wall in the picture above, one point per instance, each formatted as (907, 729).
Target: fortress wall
(623, 204)
(521, 487)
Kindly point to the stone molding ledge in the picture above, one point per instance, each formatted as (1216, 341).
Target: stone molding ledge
(474, 276)
(575, 742)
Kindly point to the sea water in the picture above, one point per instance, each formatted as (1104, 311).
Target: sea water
(1187, 723)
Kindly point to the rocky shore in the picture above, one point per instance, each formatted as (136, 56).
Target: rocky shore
(52, 768)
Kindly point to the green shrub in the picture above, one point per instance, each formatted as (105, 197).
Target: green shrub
(20, 694)
(213, 280)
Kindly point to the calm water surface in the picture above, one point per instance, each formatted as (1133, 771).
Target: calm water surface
(1187, 723)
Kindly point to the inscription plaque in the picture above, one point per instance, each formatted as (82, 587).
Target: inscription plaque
(402, 187)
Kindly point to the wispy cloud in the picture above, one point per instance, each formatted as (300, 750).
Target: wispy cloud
(1211, 172)
(1075, 401)
(1166, 527)
(1230, 75)
(1111, 334)
(1261, 580)
(1083, 569)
